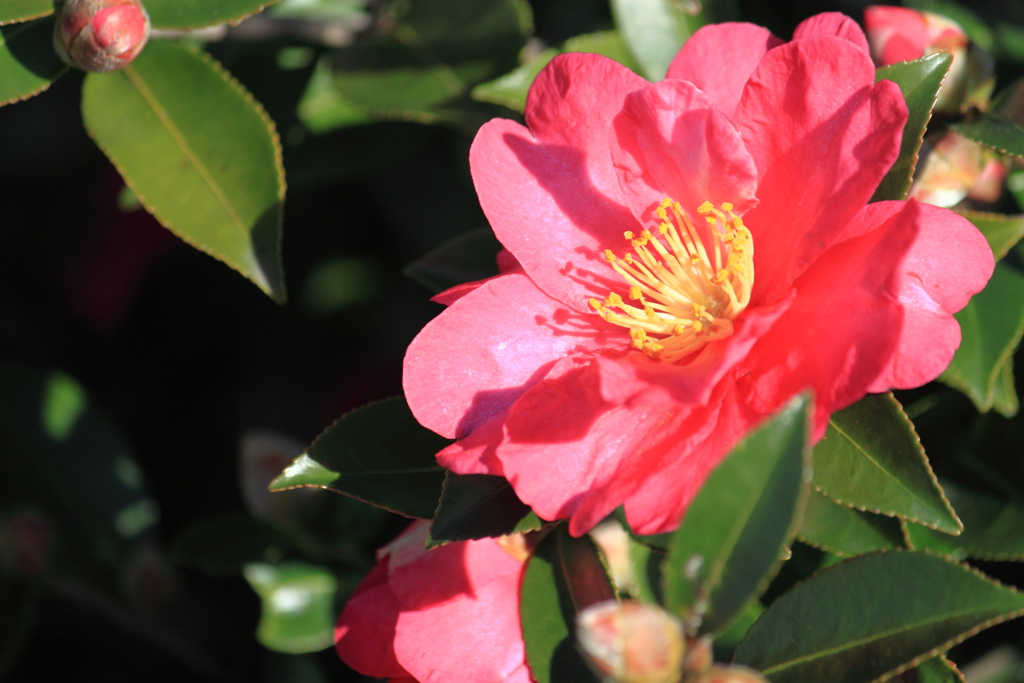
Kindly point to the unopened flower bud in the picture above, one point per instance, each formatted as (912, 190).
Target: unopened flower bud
(631, 642)
(731, 674)
(100, 35)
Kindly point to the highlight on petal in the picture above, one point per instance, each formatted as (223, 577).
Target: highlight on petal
(719, 59)
(832, 24)
(948, 262)
(557, 175)
(672, 143)
(822, 134)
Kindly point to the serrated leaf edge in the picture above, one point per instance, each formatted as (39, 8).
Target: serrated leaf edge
(959, 129)
(30, 17)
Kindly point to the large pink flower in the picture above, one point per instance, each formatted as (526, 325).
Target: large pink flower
(448, 614)
(689, 254)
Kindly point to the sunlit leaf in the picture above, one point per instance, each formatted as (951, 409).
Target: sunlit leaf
(510, 90)
(14, 11)
(871, 459)
(298, 606)
(563, 576)
(28, 63)
(991, 325)
(919, 80)
(846, 532)
(727, 548)
(1001, 231)
(479, 506)
(198, 151)
(873, 615)
(188, 14)
(379, 454)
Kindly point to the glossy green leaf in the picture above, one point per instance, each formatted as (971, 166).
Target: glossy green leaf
(15, 11)
(654, 30)
(991, 325)
(647, 563)
(934, 670)
(466, 258)
(510, 90)
(1002, 135)
(992, 528)
(199, 152)
(610, 44)
(846, 532)
(871, 459)
(379, 454)
(727, 549)
(726, 641)
(479, 506)
(222, 546)
(919, 81)
(28, 63)
(189, 14)
(563, 576)
(1004, 393)
(298, 606)
(1001, 231)
(871, 616)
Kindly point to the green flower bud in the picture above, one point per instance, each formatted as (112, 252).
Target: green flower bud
(100, 35)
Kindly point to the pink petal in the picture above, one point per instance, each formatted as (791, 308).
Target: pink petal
(365, 632)
(488, 347)
(673, 144)
(823, 135)
(550, 192)
(841, 331)
(948, 262)
(896, 34)
(832, 24)
(719, 59)
(469, 593)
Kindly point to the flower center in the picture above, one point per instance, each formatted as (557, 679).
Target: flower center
(686, 295)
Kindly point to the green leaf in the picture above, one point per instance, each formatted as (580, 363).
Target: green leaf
(1004, 393)
(510, 90)
(647, 563)
(322, 108)
(654, 30)
(871, 616)
(611, 44)
(871, 459)
(479, 506)
(298, 606)
(934, 670)
(1001, 231)
(992, 528)
(379, 454)
(846, 532)
(466, 258)
(189, 14)
(919, 81)
(563, 576)
(726, 641)
(15, 11)
(991, 325)
(199, 152)
(222, 546)
(1002, 135)
(727, 549)
(28, 63)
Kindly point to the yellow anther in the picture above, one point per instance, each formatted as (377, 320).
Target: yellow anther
(661, 213)
(705, 207)
(596, 305)
(635, 293)
(711, 219)
(609, 256)
(613, 300)
(628, 258)
(649, 312)
(628, 234)
(699, 310)
(666, 202)
(664, 228)
(698, 326)
(726, 206)
(678, 330)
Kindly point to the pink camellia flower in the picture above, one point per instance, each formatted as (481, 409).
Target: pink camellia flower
(100, 35)
(688, 255)
(448, 614)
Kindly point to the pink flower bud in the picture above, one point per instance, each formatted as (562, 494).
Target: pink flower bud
(731, 674)
(631, 642)
(100, 35)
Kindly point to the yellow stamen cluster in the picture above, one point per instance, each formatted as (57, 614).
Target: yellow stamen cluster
(686, 295)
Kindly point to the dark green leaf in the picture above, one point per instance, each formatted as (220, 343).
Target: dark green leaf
(1006, 137)
(843, 531)
(14, 11)
(298, 606)
(188, 14)
(28, 63)
(563, 576)
(199, 153)
(992, 528)
(647, 563)
(871, 616)
(934, 670)
(992, 324)
(1004, 393)
(727, 548)
(919, 81)
(871, 459)
(223, 545)
(378, 454)
(466, 258)
(479, 506)
(1001, 231)
(726, 641)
